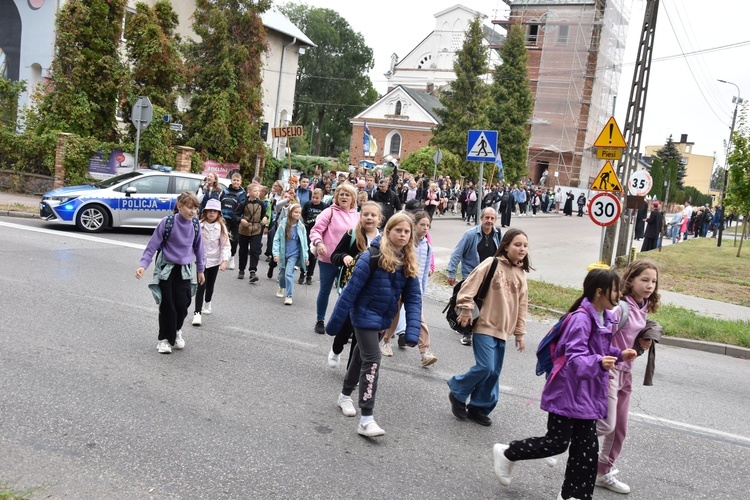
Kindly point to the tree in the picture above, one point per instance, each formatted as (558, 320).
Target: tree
(86, 78)
(332, 82)
(738, 188)
(657, 175)
(423, 159)
(717, 179)
(512, 104)
(225, 80)
(465, 102)
(672, 161)
(9, 94)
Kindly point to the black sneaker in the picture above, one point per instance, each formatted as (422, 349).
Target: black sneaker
(457, 407)
(466, 339)
(320, 327)
(253, 278)
(301, 279)
(402, 341)
(270, 272)
(478, 415)
(241, 275)
(308, 281)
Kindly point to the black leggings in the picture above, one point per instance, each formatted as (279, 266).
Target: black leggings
(580, 472)
(207, 287)
(175, 300)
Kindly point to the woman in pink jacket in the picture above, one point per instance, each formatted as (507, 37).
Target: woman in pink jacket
(329, 227)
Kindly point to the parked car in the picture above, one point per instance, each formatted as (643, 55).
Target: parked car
(135, 199)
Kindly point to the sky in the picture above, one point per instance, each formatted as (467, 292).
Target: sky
(683, 97)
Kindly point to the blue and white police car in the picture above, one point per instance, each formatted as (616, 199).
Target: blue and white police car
(136, 199)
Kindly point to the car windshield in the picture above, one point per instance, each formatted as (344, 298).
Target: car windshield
(106, 183)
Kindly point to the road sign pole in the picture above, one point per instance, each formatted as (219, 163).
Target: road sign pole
(137, 138)
(480, 192)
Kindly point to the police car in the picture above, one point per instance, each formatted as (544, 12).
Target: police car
(136, 199)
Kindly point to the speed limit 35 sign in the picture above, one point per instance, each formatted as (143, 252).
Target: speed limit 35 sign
(604, 209)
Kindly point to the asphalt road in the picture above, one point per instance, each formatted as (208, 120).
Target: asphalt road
(89, 409)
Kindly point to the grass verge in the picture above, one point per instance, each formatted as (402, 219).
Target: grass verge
(8, 493)
(18, 207)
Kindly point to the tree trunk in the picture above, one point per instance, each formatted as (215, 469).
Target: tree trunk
(318, 140)
(744, 229)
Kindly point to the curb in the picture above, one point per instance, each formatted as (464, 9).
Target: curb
(22, 215)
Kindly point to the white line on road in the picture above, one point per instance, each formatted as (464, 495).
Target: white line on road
(690, 427)
(84, 237)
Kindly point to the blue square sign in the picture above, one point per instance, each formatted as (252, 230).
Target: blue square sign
(482, 145)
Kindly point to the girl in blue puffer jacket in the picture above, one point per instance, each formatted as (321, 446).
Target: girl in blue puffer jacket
(575, 394)
(371, 299)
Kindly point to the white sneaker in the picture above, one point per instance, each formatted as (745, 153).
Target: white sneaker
(230, 264)
(333, 359)
(179, 342)
(550, 461)
(428, 359)
(385, 348)
(164, 347)
(370, 429)
(503, 467)
(197, 319)
(281, 292)
(560, 497)
(610, 482)
(347, 406)
(288, 301)
(206, 308)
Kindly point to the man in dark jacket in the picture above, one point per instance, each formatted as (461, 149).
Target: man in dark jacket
(388, 200)
(653, 229)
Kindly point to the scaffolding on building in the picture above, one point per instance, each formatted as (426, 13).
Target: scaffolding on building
(575, 50)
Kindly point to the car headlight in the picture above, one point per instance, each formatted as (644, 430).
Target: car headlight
(62, 199)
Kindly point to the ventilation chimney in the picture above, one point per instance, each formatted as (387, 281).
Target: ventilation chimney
(683, 138)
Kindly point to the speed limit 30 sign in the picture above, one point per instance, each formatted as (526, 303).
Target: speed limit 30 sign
(604, 209)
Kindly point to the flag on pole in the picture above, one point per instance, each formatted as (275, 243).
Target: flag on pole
(370, 145)
(499, 165)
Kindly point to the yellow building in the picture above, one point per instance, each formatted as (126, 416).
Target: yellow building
(698, 168)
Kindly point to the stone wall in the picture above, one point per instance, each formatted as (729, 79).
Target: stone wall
(25, 183)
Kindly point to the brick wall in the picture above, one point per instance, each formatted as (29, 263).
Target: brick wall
(411, 140)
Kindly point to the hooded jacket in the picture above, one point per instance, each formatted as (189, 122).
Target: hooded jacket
(372, 300)
(330, 226)
(579, 389)
(625, 338)
(279, 244)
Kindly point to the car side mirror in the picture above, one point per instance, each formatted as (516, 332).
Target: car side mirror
(130, 190)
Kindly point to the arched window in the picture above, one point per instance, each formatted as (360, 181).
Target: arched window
(398, 107)
(395, 148)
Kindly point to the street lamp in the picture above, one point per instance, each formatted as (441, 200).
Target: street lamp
(737, 101)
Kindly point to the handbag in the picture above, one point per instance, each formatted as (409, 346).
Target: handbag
(451, 314)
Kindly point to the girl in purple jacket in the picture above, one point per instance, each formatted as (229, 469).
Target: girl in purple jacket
(575, 395)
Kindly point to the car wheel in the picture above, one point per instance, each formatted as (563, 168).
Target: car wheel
(92, 219)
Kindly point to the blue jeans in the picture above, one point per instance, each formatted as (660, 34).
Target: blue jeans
(286, 278)
(328, 273)
(480, 382)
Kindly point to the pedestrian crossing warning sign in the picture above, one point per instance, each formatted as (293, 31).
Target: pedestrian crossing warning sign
(482, 145)
(610, 136)
(606, 180)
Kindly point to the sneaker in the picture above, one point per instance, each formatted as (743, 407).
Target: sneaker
(428, 359)
(179, 342)
(560, 497)
(241, 275)
(320, 327)
(385, 348)
(333, 359)
(466, 339)
(457, 407)
(288, 301)
(206, 308)
(253, 278)
(270, 273)
(347, 406)
(370, 429)
(197, 319)
(301, 279)
(308, 280)
(164, 347)
(550, 461)
(610, 482)
(503, 467)
(280, 293)
(401, 341)
(230, 264)
(269, 258)
(478, 415)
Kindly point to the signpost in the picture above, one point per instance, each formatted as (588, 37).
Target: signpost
(141, 116)
(640, 183)
(606, 180)
(291, 131)
(604, 209)
(175, 126)
(481, 146)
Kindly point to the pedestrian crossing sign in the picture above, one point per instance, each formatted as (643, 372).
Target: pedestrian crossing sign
(606, 180)
(481, 145)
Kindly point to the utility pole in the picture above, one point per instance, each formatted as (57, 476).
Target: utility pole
(633, 127)
(737, 101)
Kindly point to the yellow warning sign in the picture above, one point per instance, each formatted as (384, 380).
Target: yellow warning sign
(610, 137)
(606, 180)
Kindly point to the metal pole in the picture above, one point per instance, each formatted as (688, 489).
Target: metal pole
(726, 166)
(480, 193)
(137, 137)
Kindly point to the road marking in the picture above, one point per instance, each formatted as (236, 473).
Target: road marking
(274, 337)
(84, 237)
(690, 427)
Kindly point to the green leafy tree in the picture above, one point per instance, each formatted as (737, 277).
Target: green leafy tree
(423, 160)
(466, 101)
(225, 71)
(717, 178)
(512, 104)
(332, 83)
(738, 189)
(9, 94)
(671, 159)
(87, 76)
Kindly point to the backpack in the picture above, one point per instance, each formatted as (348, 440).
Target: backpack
(451, 315)
(345, 273)
(545, 360)
(229, 203)
(169, 224)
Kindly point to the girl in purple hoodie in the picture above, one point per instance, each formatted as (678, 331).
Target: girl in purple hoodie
(575, 395)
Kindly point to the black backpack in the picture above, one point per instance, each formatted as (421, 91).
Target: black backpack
(450, 310)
